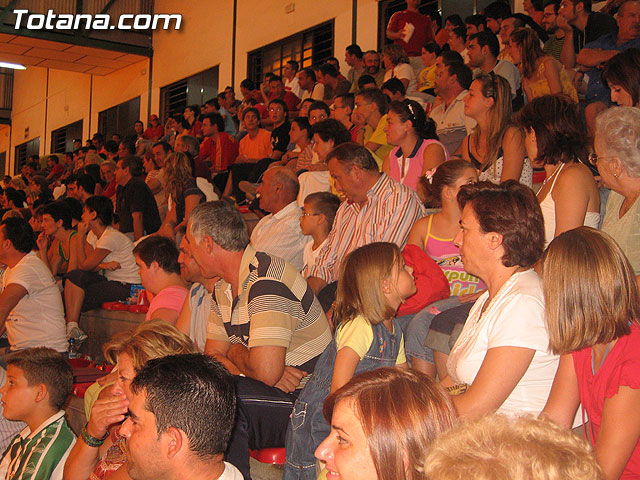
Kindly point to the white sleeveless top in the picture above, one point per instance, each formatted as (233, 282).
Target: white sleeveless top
(548, 207)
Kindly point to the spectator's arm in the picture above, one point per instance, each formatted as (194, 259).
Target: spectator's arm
(552, 75)
(433, 157)
(316, 284)
(92, 262)
(154, 185)
(514, 153)
(619, 431)
(184, 319)
(568, 53)
(265, 364)
(564, 398)
(218, 349)
(82, 255)
(9, 298)
(167, 314)
(571, 203)
(418, 232)
(138, 225)
(593, 57)
(373, 146)
(276, 155)
(500, 372)
(392, 34)
(190, 202)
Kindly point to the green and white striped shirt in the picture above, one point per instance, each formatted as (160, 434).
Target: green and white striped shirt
(40, 455)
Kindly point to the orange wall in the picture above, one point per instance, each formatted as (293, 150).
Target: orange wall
(71, 97)
(204, 41)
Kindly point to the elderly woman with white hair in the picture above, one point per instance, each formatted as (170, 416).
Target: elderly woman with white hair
(617, 156)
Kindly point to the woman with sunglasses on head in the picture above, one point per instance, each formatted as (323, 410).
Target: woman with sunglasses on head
(554, 140)
(494, 147)
(418, 151)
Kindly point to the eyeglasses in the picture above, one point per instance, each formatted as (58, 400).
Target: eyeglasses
(594, 158)
(305, 214)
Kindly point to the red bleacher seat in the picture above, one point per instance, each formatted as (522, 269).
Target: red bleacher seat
(272, 456)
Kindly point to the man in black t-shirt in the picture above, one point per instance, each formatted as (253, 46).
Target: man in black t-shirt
(135, 204)
(280, 134)
(581, 26)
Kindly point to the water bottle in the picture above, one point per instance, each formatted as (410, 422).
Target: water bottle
(73, 348)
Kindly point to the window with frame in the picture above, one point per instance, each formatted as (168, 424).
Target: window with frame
(119, 119)
(196, 89)
(62, 138)
(310, 47)
(24, 151)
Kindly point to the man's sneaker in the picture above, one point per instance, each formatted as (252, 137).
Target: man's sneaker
(77, 334)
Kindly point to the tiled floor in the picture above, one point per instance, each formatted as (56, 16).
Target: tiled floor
(260, 471)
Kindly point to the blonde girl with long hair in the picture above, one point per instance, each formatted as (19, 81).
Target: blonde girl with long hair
(541, 74)
(374, 281)
(182, 193)
(130, 351)
(495, 147)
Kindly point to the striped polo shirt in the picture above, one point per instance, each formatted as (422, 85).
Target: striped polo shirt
(40, 454)
(274, 307)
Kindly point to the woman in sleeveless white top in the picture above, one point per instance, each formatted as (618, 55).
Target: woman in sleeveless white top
(575, 187)
(554, 139)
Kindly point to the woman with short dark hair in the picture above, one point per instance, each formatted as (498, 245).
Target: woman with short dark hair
(569, 196)
(501, 357)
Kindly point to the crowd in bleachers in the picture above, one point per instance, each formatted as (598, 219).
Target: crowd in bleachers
(446, 242)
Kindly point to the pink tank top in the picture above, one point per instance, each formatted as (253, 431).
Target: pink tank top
(412, 164)
(447, 256)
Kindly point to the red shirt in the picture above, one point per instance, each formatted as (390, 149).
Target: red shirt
(228, 154)
(420, 36)
(110, 190)
(57, 170)
(621, 367)
(196, 129)
(290, 99)
(153, 133)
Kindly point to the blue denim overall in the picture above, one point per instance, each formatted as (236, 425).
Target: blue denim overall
(308, 428)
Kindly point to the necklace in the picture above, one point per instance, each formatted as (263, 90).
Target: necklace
(555, 172)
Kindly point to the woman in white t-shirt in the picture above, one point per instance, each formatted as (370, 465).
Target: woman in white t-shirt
(502, 353)
(106, 264)
(397, 64)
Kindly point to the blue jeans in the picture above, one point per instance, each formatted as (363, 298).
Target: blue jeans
(417, 328)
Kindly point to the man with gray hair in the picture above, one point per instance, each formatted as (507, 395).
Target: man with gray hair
(279, 233)
(265, 325)
(191, 145)
(378, 209)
